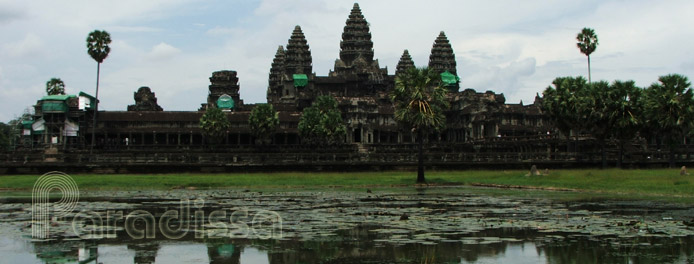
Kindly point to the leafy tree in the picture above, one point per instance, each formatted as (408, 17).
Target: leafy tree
(263, 121)
(322, 122)
(214, 124)
(98, 49)
(669, 108)
(568, 105)
(625, 112)
(55, 86)
(587, 43)
(420, 100)
(599, 121)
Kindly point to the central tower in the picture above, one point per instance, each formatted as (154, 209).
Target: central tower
(356, 47)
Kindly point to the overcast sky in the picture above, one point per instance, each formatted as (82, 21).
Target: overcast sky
(173, 46)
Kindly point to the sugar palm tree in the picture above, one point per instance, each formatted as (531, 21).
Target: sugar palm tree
(626, 112)
(568, 106)
(587, 43)
(419, 100)
(669, 107)
(98, 49)
(55, 86)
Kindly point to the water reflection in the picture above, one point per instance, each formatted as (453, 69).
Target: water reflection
(358, 246)
(443, 226)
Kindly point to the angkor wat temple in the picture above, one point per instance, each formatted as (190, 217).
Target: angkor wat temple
(481, 127)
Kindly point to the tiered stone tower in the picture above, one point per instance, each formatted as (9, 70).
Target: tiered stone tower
(404, 63)
(298, 55)
(223, 82)
(442, 57)
(275, 87)
(356, 48)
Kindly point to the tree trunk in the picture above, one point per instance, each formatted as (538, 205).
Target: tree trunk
(604, 155)
(96, 106)
(672, 152)
(420, 162)
(620, 159)
(589, 81)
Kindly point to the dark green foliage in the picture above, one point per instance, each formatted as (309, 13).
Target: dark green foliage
(215, 125)
(669, 104)
(97, 45)
(263, 121)
(55, 86)
(566, 102)
(420, 100)
(605, 110)
(322, 122)
(669, 109)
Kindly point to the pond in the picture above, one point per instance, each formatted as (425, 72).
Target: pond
(389, 225)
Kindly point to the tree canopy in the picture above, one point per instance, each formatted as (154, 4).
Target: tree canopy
(263, 121)
(55, 86)
(420, 99)
(322, 122)
(97, 45)
(214, 124)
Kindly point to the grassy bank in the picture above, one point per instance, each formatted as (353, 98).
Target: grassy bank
(655, 182)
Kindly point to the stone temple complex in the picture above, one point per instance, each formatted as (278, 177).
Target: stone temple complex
(481, 127)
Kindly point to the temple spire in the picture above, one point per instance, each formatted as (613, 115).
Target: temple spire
(404, 63)
(442, 57)
(356, 38)
(298, 55)
(274, 90)
(356, 47)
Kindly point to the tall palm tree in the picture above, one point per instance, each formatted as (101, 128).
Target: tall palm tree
(587, 43)
(568, 105)
(669, 107)
(98, 49)
(626, 112)
(420, 99)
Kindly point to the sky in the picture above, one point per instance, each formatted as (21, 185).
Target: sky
(172, 46)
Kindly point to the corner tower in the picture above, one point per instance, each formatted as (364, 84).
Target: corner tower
(274, 89)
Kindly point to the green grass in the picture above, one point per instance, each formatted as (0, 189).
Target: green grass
(630, 183)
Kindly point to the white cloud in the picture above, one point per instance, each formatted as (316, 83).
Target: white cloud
(163, 51)
(517, 49)
(31, 45)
